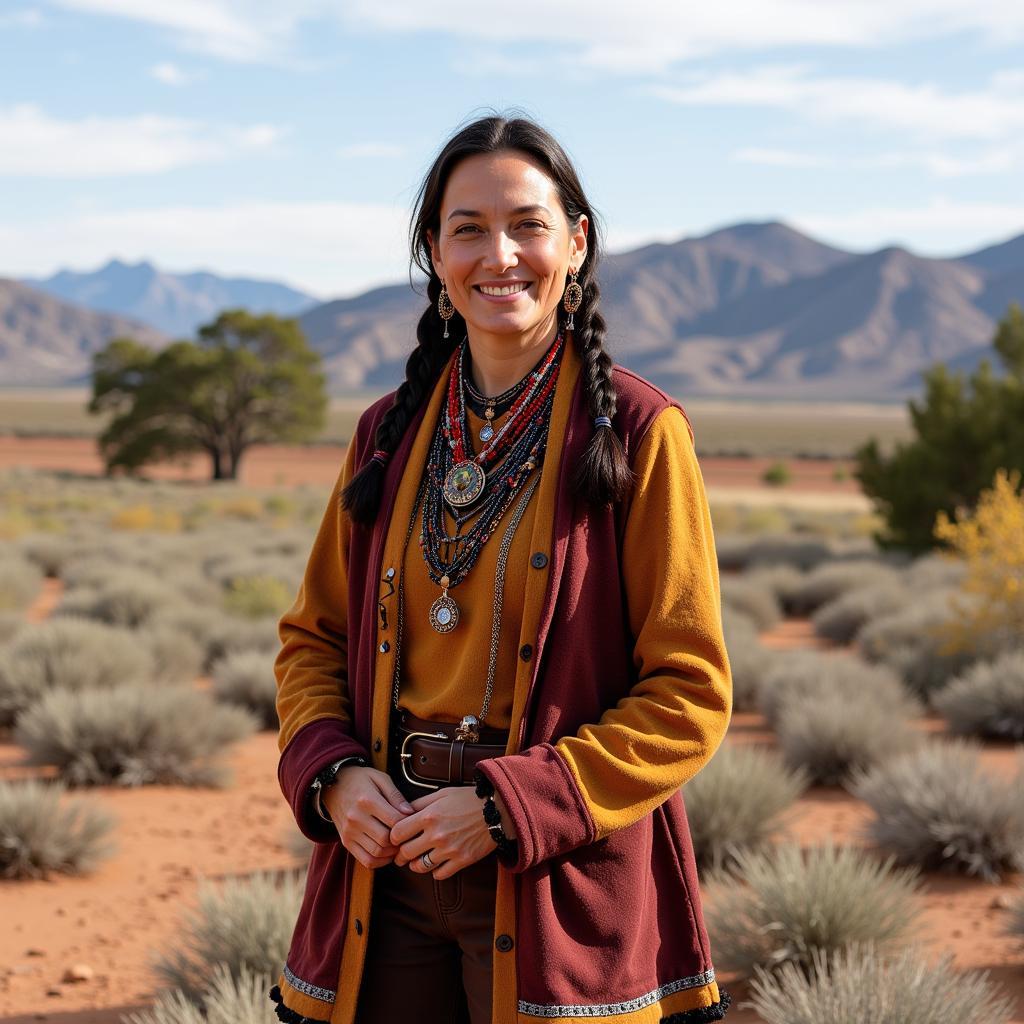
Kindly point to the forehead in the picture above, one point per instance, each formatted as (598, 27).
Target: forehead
(491, 182)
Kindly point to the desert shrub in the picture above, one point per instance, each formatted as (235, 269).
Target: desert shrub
(739, 552)
(132, 736)
(855, 985)
(779, 579)
(835, 732)
(247, 679)
(934, 571)
(833, 579)
(736, 800)
(987, 700)
(47, 552)
(220, 634)
(805, 676)
(777, 474)
(10, 623)
(20, 581)
(74, 654)
(990, 540)
(936, 808)
(255, 597)
(911, 643)
(789, 904)
(245, 924)
(748, 657)
(755, 600)
(40, 832)
(227, 1000)
(177, 656)
(127, 597)
(841, 619)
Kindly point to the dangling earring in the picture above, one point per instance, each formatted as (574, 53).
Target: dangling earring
(445, 308)
(572, 298)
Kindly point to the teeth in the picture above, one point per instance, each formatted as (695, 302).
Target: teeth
(507, 290)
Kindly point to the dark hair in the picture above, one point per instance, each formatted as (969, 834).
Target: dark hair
(603, 475)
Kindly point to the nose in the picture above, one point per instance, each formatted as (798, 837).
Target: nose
(501, 253)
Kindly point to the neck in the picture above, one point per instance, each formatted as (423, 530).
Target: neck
(498, 361)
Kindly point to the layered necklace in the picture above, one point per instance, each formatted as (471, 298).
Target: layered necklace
(473, 486)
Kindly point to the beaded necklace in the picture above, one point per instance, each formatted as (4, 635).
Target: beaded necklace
(458, 479)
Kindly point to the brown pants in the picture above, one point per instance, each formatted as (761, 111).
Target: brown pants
(430, 948)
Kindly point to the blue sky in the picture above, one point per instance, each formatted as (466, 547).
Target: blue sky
(287, 139)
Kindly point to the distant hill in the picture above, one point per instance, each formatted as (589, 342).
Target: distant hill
(176, 304)
(755, 310)
(47, 342)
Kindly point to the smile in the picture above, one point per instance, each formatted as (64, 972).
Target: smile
(511, 289)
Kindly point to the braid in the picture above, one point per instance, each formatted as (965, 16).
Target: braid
(361, 496)
(603, 475)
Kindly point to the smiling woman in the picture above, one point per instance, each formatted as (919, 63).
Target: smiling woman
(486, 731)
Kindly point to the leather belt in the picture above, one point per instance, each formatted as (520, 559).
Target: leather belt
(429, 755)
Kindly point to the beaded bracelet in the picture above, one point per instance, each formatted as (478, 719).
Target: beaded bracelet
(492, 816)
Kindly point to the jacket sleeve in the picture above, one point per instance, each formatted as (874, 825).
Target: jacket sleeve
(613, 772)
(312, 671)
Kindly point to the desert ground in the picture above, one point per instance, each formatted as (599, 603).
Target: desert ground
(114, 920)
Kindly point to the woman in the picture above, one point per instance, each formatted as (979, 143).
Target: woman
(506, 655)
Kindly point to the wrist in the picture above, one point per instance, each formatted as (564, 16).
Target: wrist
(327, 778)
(493, 817)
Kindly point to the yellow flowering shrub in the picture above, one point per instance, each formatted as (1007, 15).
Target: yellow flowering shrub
(990, 539)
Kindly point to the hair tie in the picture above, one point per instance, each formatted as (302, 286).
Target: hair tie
(602, 421)
(380, 456)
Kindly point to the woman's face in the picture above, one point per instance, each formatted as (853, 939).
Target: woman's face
(502, 225)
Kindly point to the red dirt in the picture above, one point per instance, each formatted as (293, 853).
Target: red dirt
(290, 466)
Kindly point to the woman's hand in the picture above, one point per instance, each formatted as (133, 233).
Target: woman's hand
(365, 805)
(449, 825)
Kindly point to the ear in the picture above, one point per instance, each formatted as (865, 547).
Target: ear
(435, 254)
(578, 243)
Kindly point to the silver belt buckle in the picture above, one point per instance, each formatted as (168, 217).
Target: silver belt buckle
(403, 756)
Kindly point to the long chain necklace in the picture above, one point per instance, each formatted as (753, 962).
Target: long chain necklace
(520, 443)
(469, 727)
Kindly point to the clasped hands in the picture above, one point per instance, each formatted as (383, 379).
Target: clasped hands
(378, 826)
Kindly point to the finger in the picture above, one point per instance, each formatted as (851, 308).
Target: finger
(392, 794)
(374, 831)
(407, 828)
(372, 804)
(427, 799)
(449, 868)
(416, 847)
(417, 865)
(366, 857)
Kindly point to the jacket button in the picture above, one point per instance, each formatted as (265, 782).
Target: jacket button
(359, 927)
(385, 647)
(376, 745)
(390, 574)
(503, 943)
(526, 652)
(538, 560)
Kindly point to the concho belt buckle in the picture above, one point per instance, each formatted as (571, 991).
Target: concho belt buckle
(404, 757)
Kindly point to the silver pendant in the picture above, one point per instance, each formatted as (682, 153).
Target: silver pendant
(444, 612)
(464, 483)
(486, 432)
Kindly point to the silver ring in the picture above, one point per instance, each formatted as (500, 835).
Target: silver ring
(427, 862)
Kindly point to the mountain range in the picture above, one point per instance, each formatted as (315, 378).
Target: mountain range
(754, 310)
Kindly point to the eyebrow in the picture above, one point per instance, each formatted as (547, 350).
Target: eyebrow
(519, 209)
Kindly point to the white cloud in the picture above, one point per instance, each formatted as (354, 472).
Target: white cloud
(938, 225)
(939, 165)
(27, 17)
(169, 74)
(38, 144)
(644, 36)
(328, 247)
(923, 111)
(249, 31)
(360, 150)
